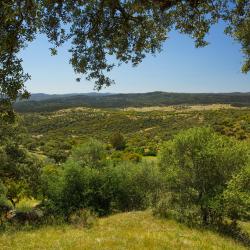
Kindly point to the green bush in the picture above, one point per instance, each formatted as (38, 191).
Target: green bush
(82, 188)
(118, 141)
(150, 151)
(123, 187)
(134, 157)
(132, 186)
(92, 153)
(236, 197)
(198, 164)
(19, 172)
(57, 150)
(120, 156)
(51, 182)
(5, 205)
(116, 156)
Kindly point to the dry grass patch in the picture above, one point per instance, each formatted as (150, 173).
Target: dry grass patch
(181, 108)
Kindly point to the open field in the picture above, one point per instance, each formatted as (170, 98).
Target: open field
(181, 108)
(134, 230)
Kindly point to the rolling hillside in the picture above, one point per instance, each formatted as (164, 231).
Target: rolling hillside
(57, 102)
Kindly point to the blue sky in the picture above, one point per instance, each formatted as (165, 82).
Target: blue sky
(180, 67)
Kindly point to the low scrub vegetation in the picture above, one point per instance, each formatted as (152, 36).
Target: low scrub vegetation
(53, 135)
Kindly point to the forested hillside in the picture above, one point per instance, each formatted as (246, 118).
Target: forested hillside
(53, 103)
(54, 133)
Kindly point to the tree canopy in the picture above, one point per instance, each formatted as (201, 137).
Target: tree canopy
(201, 167)
(99, 29)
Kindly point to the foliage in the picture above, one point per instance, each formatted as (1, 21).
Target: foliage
(19, 172)
(145, 129)
(133, 186)
(56, 150)
(132, 157)
(198, 164)
(3, 201)
(120, 156)
(81, 189)
(118, 141)
(127, 30)
(91, 153)
(12, 132)
(104, 188)
(51, 182)
(237, 195)
(98, 178)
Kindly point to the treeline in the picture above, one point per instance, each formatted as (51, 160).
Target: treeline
(132, 100)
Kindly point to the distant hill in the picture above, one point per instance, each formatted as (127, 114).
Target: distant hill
(48, 103)
(42, 97)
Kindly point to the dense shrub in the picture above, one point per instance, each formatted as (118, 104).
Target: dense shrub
(150, 151)
(5, 205)
(19, 172)
(116, 156)
(132, 186)
(236, 197)
(118, 141)
(88, 181)
(122, 187)
(26, 215)
(82, 188)
(92, 153)
(51, 183)
(57, 150)
(2, 191)
(134, 157)
(198, 164)
(120, 156)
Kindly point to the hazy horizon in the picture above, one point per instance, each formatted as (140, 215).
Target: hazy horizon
(95, 92)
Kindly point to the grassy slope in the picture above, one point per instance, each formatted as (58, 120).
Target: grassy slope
(135, 230)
